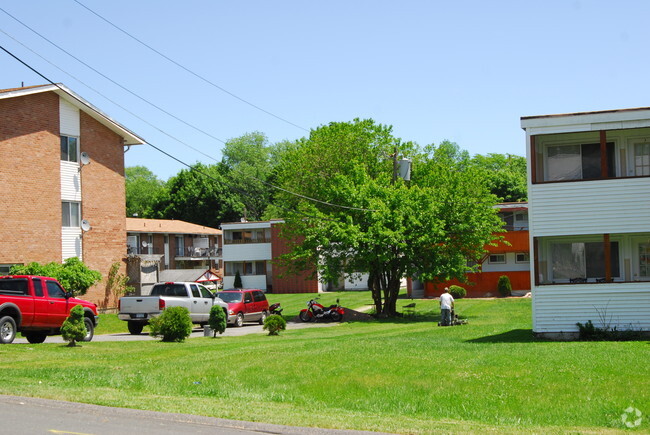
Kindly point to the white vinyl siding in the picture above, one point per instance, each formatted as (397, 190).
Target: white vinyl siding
(584, 209)
(68, 119)
(247, 252)
(71, 242)
(70, 181)
(559, 308)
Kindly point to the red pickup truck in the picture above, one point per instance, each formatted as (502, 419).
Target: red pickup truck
(37, 306)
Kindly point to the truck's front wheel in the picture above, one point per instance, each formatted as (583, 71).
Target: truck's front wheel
(7, 330)
(135, 328)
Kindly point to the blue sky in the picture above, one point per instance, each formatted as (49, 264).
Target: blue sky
(465, 71)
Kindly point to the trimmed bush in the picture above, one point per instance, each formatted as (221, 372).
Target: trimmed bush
(274, 324)
(457, 291)
(504, 286)
(174, 324)
(74, 329)
(238, 283)
(218, 320)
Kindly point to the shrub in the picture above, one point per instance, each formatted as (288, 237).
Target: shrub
(504, 286)
(457, 291)
(74, 329)
(73, 274)
(117, 284)
(238, 283)
(217, 320)
(274, 324)
(174, 324)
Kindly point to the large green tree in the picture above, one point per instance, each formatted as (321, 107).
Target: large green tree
(142, 187)
(505, 175)
(348, 214)
(201, 195)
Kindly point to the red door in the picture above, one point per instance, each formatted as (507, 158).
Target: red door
(58, 304)
(41, 304)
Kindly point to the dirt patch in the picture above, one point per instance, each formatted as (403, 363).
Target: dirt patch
(348, 316)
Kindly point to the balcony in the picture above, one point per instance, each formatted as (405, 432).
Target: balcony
(195, 252)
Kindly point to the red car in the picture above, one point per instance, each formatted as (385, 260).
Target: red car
(37, 306)
(245, 305)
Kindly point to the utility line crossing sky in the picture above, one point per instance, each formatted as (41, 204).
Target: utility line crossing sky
(465, 71)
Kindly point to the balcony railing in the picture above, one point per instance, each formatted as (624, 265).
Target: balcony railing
(193, 252)
(246, 241)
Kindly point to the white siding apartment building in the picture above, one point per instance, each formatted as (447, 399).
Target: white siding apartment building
(589, 216)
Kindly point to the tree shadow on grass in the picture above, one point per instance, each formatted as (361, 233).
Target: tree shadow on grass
(514, 336)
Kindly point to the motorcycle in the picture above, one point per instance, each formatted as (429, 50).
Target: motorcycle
(316, 311)
(276, 309)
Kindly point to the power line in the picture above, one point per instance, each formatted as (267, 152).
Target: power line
(183, 67)
(116, 83)
(111, 100)
(178, 160)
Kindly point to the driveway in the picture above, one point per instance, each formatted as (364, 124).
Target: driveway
(248, 328)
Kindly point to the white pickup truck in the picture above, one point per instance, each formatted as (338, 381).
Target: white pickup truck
(137, 310)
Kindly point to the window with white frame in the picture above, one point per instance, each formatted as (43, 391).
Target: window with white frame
(69, 149)
(497, 259)
(132, 244)
(70, 214)
(522, 257)
(5, 268)
(641, 159)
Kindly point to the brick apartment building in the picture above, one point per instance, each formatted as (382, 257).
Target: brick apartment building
(62, 182)
(252, 249)
(162, 249)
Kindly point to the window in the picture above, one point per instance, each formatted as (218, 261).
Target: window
(582, 260)
(38, 286)
(195, 290)
(180, 246)
(248, 268)
(644, 260)
(54, 290)
(70, 214)
(522, 257)
(69, 149)
(577, 162)
(132, 244)
(260, 268)
(642, 159)
(248, 298)
(14, 287)
(205, 293)
(5, 268)
(497, 259)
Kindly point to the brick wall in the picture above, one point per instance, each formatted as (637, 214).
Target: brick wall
(103, 200)
(30, 181)
(294, 283)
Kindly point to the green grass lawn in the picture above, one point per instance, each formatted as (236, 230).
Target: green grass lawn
(405, 376)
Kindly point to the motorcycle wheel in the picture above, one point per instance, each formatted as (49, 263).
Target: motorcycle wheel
(305, 316)
(336, 316)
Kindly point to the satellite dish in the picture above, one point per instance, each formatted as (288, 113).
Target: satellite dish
(145, 244)
(85, 225)
(84, 158)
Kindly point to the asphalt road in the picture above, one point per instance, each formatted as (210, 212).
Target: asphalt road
(248, 328)
(30, 416)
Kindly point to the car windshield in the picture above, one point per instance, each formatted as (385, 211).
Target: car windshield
(229, 296)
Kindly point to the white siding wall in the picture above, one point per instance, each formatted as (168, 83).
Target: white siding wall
(559, 308)
(71, 242)
(69, 125)
(357, 284)
(70, 182)
(510, 265)
(254, 281)
(590, 207)
(247, 252)
(68, 119)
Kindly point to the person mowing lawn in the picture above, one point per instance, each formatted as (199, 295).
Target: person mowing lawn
(446, 305)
